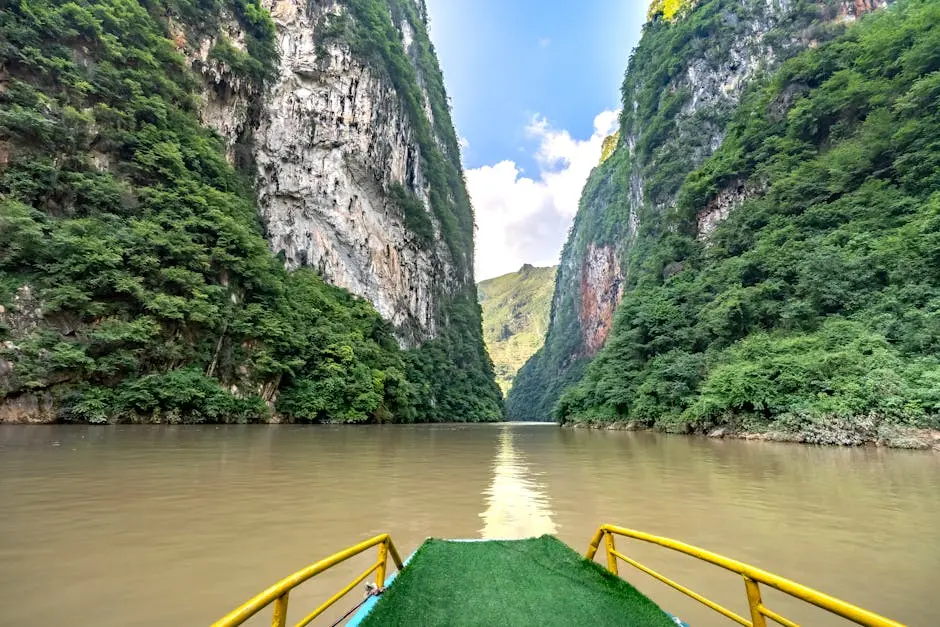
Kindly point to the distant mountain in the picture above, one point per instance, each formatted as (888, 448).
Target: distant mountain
(515, 317)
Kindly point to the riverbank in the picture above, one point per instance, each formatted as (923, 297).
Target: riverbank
(42, 408)
(832, 433)
(866, 432)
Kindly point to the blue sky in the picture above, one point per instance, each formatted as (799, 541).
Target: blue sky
(533, 87)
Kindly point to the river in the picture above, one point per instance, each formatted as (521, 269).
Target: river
(146, 526)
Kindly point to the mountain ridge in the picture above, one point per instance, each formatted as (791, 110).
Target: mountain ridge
(309, 258)
(515, 317)
(659, 218)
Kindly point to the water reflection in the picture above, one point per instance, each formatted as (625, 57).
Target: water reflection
(123, 518)
(517, 507)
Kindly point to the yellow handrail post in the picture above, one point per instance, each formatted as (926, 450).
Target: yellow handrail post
(595, 544)
(754, 602)
(396, 558)
(279, 592)
(383, 562)
(611, 551)
(279, 618)
(753, 577)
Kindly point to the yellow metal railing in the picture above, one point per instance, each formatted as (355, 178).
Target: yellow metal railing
(753, 577)
(278, 593)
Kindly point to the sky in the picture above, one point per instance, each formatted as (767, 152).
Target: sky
(535, 88)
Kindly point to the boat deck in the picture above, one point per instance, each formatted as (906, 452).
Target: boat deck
(539, 581)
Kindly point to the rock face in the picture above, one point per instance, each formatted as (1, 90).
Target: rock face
(601, 282)
(721, 206)
(25, 409)
(343, 190)
(674, 117)
(853, 9)
(20, 319)
(329, 142)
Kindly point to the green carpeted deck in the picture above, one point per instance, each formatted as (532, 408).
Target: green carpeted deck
(540, 581)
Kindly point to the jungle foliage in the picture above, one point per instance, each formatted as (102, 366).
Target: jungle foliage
(134, 278)
(515, 317)
(818, 298)
(664, 136)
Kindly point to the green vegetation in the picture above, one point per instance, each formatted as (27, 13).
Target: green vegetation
(455, 373)
(670, 143)
(818, 300)
(515, 317)
(122, 221)
(562, 359)
(416, 218)
(491, 583)
(663, 140)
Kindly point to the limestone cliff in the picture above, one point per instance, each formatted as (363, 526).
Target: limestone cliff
(242, 210)
(684, 82)
(329, 140)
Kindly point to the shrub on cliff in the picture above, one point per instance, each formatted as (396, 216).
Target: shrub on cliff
(141, 247)
(819, 295)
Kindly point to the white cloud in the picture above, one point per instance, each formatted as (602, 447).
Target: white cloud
(525, 220)
(545, 42)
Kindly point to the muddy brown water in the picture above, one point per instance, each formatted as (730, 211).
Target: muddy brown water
(141, 526)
